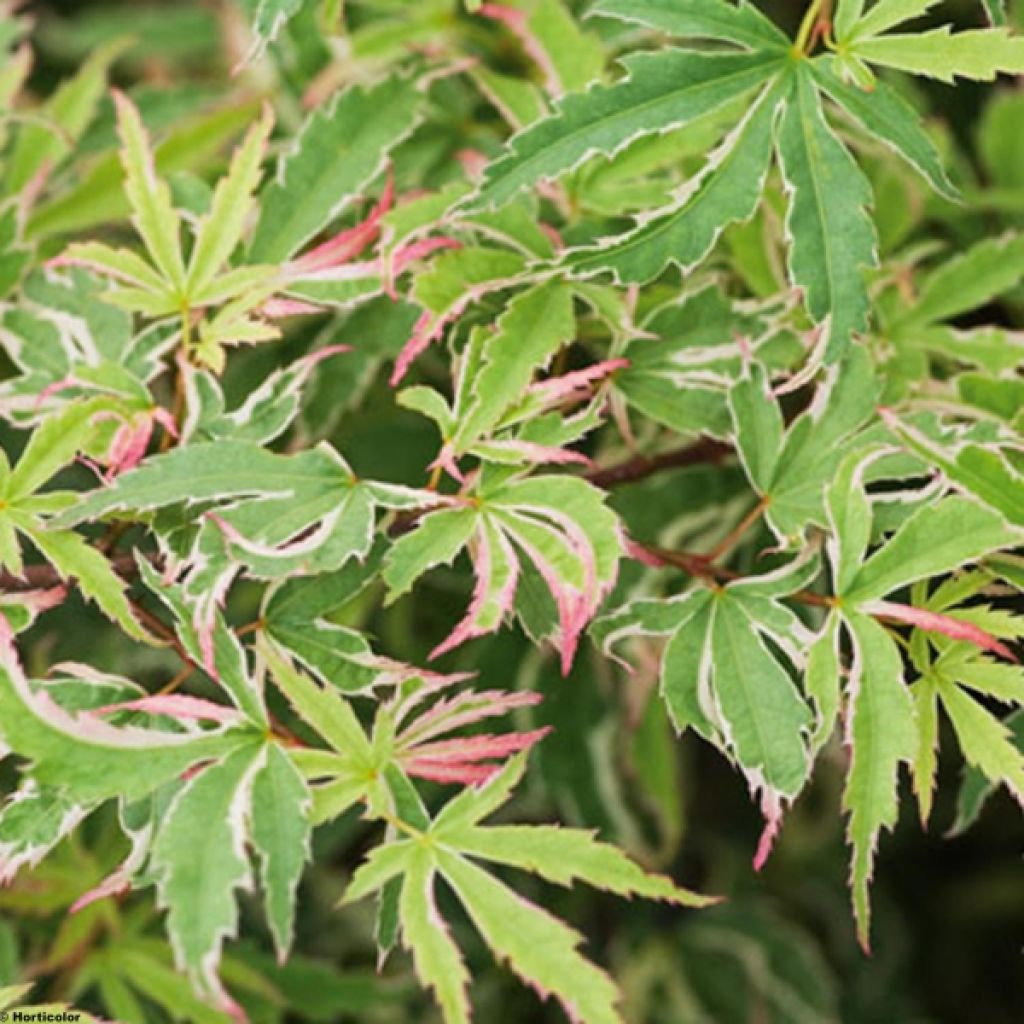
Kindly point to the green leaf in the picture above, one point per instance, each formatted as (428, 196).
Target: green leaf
(563, 856)
(437, 959)
(981, 471)
(978, 54)
(662, 91)
(966, 282)
(832, 238)
(886, 116)
(220, 230)
(883, 734)
(33, 819)
(280, 835)
(89, 758)
(534, 326)
(436, 540)
(100, 195)
(67, 114)
(53, 444)
(340, 150)
(538, 947)
(887, 14)
(758, 425)
(153, 213)
(73, 557)
(699, 19)
(936, 539)
(726, 191)
(199, 860)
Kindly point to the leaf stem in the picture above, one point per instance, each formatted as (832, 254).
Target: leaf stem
(729, 541)
(806, 34)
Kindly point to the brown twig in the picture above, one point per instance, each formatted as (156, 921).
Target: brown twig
(706, 450)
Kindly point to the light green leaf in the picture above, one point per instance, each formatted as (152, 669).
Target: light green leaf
(153, 213)
(978, 54)
(563, 856)
(883, 734)
(726, 191)
(73, 557)
(199, 859)
(699, 19)
(280, 835)
(887, 14)
(534, 326)
(67, 113)
(437, 959)
(53, 444)
(538, 947)
(985, 741)
(934, 540)
(662, 91)
(340, 150)
(220, 230)
(832, 238)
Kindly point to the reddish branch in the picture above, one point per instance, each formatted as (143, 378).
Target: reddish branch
(706, 450)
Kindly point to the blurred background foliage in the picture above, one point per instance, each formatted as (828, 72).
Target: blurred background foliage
(949, 908)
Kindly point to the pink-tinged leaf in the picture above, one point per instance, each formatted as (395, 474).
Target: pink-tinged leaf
(516, 22)
(540, 453)
(277, 309)
(933, 622)
(447, 461)
(64, 384)
(556, 239)
(461, 710)
(38, 601)
(573, 608)
(473, 162)
(427, 329)
(346, 245)
(771, 808)
(166, 420)
(408, 254)
(577, 384)
(461, 774)
(129, 444)
(483, 593)
(113, 885)
(484, 747)
(177, 706)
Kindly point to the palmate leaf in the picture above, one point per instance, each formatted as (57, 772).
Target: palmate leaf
(560, 524)
(90, 759)
(662, 91)
(937, 539)
(727, 190)
(277, 513)
(538, 947)
(981, 471)
(790, 469)
(831, 236)
(340, 150)
(720, 677)
(887, 117)
(743, 24)
(978, 54)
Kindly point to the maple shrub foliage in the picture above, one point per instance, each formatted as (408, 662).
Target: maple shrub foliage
(581, 249)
